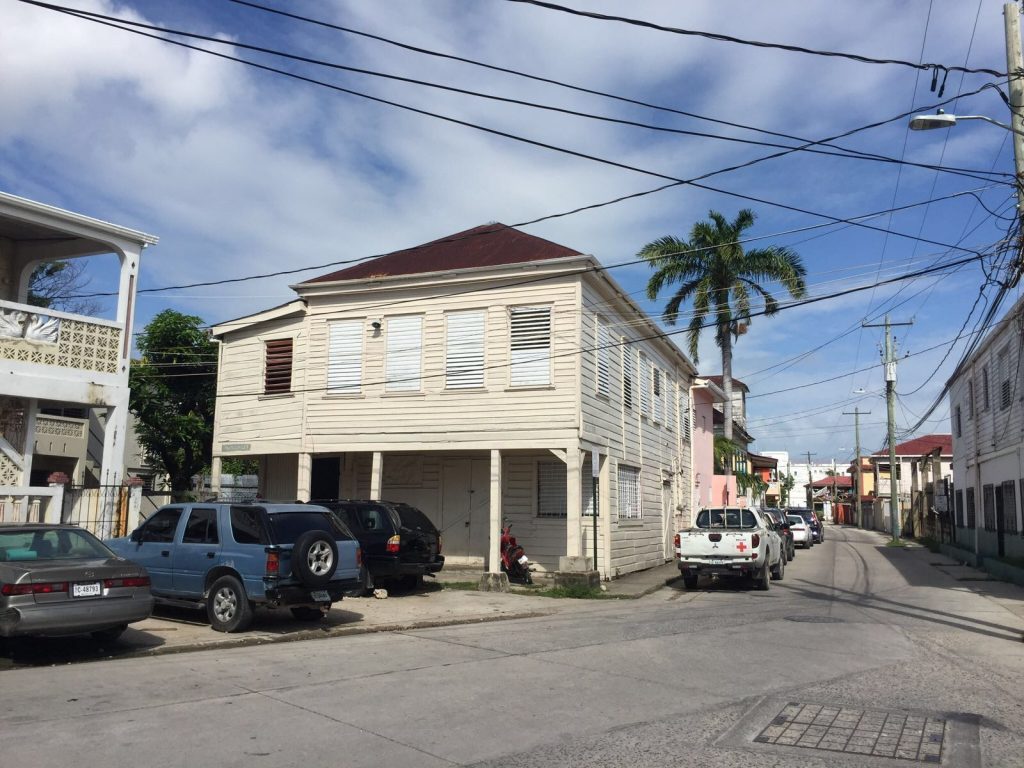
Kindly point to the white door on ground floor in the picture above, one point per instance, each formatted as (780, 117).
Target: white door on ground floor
(465, 507)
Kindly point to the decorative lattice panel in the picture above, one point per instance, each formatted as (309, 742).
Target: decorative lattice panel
(80, 345)
(59, 427)
(10, 474)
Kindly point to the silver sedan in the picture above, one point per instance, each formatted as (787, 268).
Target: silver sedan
(62, 580)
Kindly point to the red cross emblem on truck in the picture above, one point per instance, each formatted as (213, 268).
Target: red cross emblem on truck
(742, 546)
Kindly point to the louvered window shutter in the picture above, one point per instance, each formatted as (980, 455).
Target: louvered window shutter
(404, 353)
(659, 397)
(345, 357)
(464, 350)
(684, 412)
(670, 404)
(645, 387)
(604, 355)
(278, 370)
(530, 346)
(628, 374)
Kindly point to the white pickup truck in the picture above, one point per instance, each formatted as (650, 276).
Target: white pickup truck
(730, 541)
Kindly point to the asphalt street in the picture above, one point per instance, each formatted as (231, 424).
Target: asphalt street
(863, 655)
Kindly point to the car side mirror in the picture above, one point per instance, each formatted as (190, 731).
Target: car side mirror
(136, 535)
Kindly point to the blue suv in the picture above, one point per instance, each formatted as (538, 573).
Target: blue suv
(230, 558)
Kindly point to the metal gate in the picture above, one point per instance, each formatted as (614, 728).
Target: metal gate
(103, 511)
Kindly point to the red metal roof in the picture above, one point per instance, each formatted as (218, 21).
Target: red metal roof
(839, 481)
(489, 245)
(922, 445)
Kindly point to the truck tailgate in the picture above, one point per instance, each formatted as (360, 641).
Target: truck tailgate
(709, 544)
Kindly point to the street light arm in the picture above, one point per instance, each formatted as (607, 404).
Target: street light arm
(990, 120)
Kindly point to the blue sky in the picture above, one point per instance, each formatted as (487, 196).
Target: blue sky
(244, 172)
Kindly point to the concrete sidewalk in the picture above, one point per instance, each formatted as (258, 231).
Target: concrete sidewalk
(437, 603)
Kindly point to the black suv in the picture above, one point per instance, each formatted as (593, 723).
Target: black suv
(399, 543)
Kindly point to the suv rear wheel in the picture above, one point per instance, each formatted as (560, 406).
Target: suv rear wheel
(227, 606)
(314, 558)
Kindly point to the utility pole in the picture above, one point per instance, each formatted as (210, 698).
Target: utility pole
(890, 403)
(810, 483)
(1014, 65)
(860, 477)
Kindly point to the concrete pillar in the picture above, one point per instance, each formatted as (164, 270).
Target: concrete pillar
(377, 475)
(29, 446)
(304, 480)
(112, 468)
(215, 465)
(604, 491)
(494, 526)
(573, 500)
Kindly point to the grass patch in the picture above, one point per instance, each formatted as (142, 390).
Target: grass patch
(896, 543)
(463, 585)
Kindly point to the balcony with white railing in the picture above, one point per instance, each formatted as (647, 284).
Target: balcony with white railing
(47, 337)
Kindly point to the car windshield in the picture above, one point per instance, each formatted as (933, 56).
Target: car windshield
(726, 518)
(288, 526)
(51, 544)
(413, 518)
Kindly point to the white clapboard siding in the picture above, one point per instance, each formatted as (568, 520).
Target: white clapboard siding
(404, 353)
(345, 357)
(464, 349)
(671, 403)
(530, 346)
(604, 354)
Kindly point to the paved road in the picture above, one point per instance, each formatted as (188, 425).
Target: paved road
(860, 647)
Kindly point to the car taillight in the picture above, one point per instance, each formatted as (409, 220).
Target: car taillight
(393, 544)
(359, 555)
(33, 589)
(755, 540)
(675, 541)
(128, 581)
(273, 563)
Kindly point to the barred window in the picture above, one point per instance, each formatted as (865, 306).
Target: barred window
(1009, 506)
(551, 487)
(988, 507)
(972, 517)
(629, 492)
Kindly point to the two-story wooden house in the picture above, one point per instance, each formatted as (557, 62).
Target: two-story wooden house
(986, 397)
(52, 361)
(484, 377)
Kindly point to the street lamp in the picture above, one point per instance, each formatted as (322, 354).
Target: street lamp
(942, 120)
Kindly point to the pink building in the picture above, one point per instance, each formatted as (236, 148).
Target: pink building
(708, 489)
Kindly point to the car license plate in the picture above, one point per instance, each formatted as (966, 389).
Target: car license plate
(91, 589)
(716, 560)
(320, 596)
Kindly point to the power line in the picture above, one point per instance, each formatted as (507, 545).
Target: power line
(757, 43)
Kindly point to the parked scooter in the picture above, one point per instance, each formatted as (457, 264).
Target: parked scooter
(514, 561)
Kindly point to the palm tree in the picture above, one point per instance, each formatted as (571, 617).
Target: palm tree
(713, 270)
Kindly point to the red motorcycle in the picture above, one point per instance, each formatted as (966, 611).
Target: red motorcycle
(514, 561)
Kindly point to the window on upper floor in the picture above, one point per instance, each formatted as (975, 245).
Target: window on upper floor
(344, 357)
(628, 374)
(277, 369)
(1004, 377)
(404, 354)
(603, 351)
(530, 346)
(970, 399)
(464, 349)
(684, 412)
(659, 396)
(645, 386)
(985, 404)
(957, 425)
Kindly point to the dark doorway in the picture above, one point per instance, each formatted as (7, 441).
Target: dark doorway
(1000, 522)
(325, 481)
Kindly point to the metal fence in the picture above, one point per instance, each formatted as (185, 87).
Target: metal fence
(106, 511)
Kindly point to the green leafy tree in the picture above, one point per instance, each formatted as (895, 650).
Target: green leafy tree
(713, 270)
(173, 391)
(787, 484)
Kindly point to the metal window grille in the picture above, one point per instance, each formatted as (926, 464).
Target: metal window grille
(629, 492)
(530, 341)
(345, 357)
(972, 516)
(604, 355)
(628, 375)
(277, 376)
(988, 507)
(404, 353)
(551, 489)
(464, 350)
